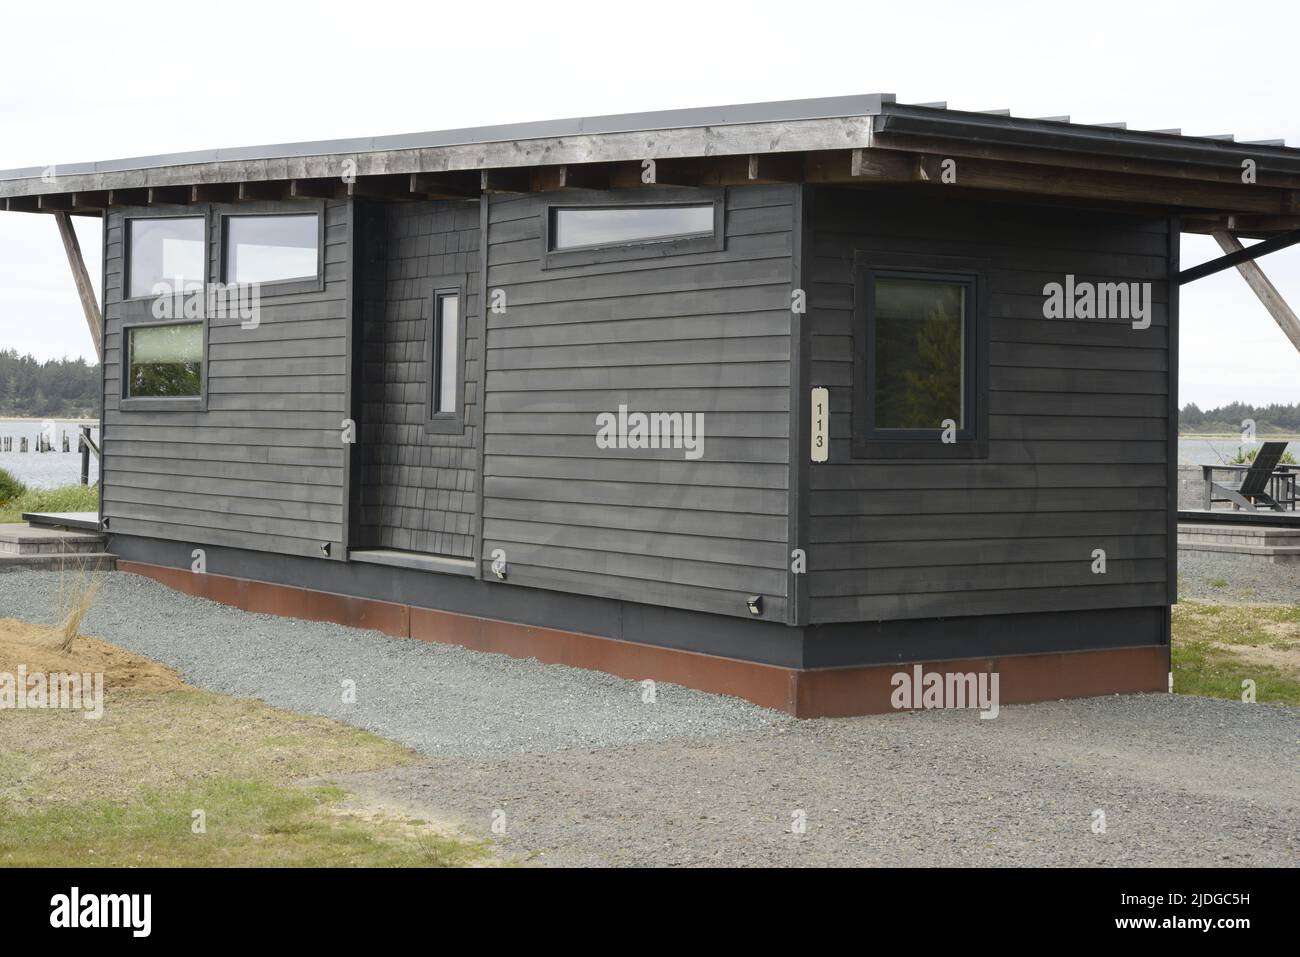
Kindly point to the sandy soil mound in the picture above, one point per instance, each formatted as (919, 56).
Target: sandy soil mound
(37, 647)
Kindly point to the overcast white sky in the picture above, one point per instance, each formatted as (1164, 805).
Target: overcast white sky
(104, 81)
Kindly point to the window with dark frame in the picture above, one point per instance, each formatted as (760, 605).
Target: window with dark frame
(170, 251)
(444, 368)
(588, 227)
(270, 248)
(917, 376)
(164, 361)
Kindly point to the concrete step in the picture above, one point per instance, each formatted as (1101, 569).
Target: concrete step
(79, 561)
(23, 540)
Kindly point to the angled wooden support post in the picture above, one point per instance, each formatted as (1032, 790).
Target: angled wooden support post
(1265, 290)
(85, 290)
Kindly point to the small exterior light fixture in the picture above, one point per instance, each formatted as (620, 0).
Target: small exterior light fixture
(325, 549)
(755, 604)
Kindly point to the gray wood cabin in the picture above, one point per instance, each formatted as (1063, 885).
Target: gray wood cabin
(404, 434)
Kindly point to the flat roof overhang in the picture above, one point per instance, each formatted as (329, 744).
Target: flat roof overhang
(868, 141)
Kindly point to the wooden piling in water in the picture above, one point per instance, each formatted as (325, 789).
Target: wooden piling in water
(83, 442)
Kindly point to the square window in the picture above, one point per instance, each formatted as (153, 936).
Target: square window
(164, 361)
(166, 250)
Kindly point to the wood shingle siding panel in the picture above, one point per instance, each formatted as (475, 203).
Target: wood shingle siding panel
(698, 333)
(417, 490)
(1078, 422)
(262, 467)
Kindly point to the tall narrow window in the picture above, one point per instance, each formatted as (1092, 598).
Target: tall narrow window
(446, 339)
(444, 358)
(918, 334)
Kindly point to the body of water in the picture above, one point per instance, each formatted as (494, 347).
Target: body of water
(1194, 450)
(52, 469)
(46, 469)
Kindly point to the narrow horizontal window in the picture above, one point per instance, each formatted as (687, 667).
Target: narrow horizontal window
(166, 250)
(918, 330)
(266, 249)
(164, 361)
(585, 227)
(446, 340)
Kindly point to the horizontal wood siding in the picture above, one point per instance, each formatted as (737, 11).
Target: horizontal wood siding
(263, 466)
(1077, 425)
(701, 332)
(417, 490)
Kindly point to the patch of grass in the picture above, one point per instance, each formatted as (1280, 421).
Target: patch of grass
(69, 498)
(10, 487)
(1204, 669)
(121, 790)
(244, 822)
(1217, 647)
(1218, 583)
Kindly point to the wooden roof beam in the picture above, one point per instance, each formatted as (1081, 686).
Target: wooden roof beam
(386, 186)
(452, 185)
(128, 197)
(516, 179)
(1244, 226)
(1031, 178)
(315, 188)
(55, 202)
(168, 195)
(1228, 175)
(262, 191)
(92, 199)
(1237, 254)
(571, 176)
(893, 167)
(214, 193)
(1259, 283)
(85, 291)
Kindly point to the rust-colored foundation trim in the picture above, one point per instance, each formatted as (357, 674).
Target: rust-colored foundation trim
(810, 693)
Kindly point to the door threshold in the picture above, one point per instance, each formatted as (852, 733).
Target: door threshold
(419, 560)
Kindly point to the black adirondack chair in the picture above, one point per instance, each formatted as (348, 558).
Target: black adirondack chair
(1256, 480)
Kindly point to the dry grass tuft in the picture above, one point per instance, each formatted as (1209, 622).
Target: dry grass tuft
(76, 595)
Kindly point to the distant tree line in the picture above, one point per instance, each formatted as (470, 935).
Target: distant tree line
(57, 388)
(1228, 419)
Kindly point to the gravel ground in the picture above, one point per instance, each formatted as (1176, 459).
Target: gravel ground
(580, 771)
(438, 699)
(1182, 782)
(1239, 579)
